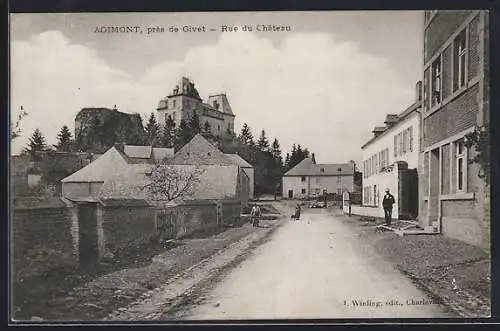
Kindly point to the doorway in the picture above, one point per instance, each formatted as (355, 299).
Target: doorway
(290, 194)
(434, 187)
(88, 243)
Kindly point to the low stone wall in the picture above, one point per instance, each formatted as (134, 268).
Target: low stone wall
(124, 226)
(42, 240)
(371, 211)
(48, 237)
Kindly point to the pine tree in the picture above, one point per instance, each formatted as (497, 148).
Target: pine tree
(169, 135)
(207, 127)
(183, 136)
(246, 136)
(263, 143)
(152, 131)
(37, 143)
(64, 141)
(194, 124)
(276, 151)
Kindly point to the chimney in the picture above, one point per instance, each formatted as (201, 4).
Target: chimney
(390, 120)
(418, 89)
(378, 130)
(313, 158)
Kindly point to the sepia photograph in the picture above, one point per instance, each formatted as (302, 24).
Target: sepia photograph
(246, 166)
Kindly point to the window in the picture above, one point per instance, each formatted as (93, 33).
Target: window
(436, 82)
(175, 103)
(395, 146)
(317, 181)
(459, 60)
(339, 169)
(405, 140)
(400, 143)
(410, 141)
(375, 157)
(303, 191)
(218, 127)
(461, 165)
(322, 170)
(303, 178)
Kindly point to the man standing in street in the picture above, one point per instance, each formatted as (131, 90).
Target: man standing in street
(387, 204)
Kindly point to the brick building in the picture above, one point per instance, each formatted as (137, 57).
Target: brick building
(216, 115)
(456, 93)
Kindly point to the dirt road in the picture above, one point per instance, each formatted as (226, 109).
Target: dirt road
(316, 267)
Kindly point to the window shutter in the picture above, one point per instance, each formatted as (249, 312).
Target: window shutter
(410, 133)
(395, 146)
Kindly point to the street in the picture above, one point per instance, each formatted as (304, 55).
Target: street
(315, 267)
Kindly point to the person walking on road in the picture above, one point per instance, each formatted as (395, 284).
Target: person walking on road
(254, 215)
(297, 212)
(387, 204)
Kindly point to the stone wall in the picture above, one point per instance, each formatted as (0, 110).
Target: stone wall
(42, 240)
(125, 225)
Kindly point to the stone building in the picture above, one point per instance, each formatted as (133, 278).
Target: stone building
(215, 115)
(310, 180)
(453, 199)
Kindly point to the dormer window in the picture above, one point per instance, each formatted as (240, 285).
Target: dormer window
(322, 170)
(339, 169)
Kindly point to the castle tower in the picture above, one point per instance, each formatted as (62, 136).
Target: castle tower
(215, 115)
(180, 103)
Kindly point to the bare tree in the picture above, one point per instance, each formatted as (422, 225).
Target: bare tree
(167, 182)
(15, 128)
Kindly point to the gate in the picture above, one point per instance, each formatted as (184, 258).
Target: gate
(165, 225)
(88, 240)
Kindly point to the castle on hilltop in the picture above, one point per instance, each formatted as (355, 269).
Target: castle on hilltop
(216, 115)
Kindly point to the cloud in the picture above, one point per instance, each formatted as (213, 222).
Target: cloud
(310, 89)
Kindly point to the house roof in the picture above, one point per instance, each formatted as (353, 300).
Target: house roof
(215, 182)
(200, 152)
(100, 169)
(140, 152)
(307, 168)
(239, 160)
(400, 118)
(161, 153)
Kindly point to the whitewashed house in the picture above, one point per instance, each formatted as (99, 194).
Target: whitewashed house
(390, 160)
(309, 180)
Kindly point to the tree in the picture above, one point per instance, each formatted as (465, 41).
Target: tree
(166, 182)
(276, 151)
(207, 127)
(168, 136)
(183, 135)
(64, 142)
(15, 128)
(296, 155)
(263, 143)
(194, 124)
(479, 139)
(37, 143)
(152, 131)
(246, 136)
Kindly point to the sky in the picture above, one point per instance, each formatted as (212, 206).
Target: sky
(324, 84)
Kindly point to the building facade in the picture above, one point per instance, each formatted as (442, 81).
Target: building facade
(309, 180)
(456, 94)
(216, 115)
(390, 160)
